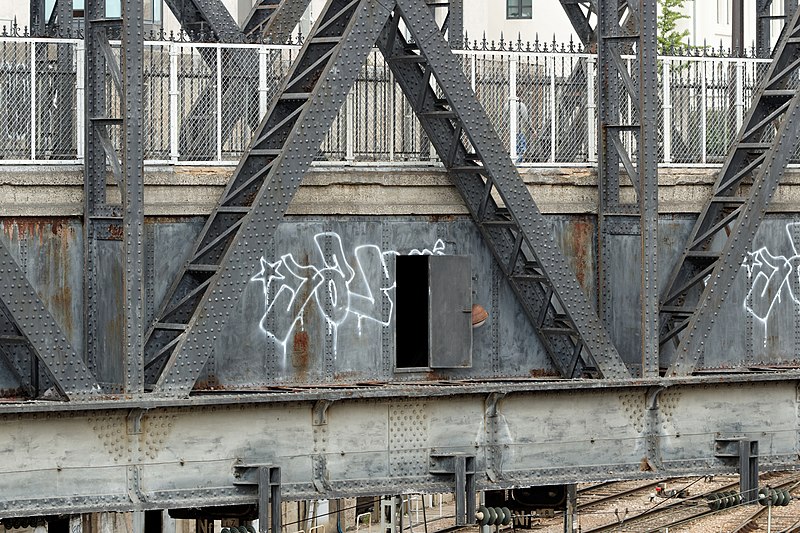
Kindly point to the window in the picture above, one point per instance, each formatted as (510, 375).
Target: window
(152, 11)
(519, 9)
(723, 12)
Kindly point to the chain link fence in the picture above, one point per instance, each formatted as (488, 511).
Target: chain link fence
(203, 103)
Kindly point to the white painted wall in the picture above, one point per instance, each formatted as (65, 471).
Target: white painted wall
(489, 16)
(9, 10)
(708, 24)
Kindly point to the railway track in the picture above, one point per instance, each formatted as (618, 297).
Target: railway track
(604, 493)
(663, 514)
(781, 519)
(688, 510)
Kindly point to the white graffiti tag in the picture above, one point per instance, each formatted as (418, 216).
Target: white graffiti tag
(770, 279)
(363, 290)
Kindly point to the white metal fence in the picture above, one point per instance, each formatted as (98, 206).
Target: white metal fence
(203, 102)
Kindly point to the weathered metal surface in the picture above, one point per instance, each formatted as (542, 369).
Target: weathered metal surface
(117, 456)
(294, 343)
(259, 191)
(703, 279)
(29, 327)
(280, 331)
(302, 313)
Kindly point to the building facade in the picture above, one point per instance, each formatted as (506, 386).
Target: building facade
(709, 22)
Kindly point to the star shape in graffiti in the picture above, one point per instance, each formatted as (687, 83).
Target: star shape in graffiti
(269, 271)
(752, 262)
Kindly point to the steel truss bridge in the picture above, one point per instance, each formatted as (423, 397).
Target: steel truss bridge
(248, 356)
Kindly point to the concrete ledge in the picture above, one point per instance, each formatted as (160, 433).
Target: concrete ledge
(361, 189)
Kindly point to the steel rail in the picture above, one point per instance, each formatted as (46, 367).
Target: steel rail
(617, 495)
(658, 510)
(762, 509)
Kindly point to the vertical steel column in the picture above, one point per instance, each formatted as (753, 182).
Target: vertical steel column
(737, 30)
(63, 14)
(748, 470)
(462, 469)
(37, 17)
(618, 216)
(648, 182)
(269, 499)
(461, 489)
(132, 63)
(97, 212)
(608, 104)
(455, 34)
(114, 230)
(65, 123)
(571, 510)
(763, 19)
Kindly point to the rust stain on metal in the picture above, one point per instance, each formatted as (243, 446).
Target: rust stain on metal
(53, 237)
(542, 373)
(300, 350)
(250, 197)
(441, 218)
(209, 383)
(580, 239)
(62, 299)
(115, 232)
(37, 227)
(155, 220)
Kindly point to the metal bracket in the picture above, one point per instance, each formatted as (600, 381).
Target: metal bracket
(492, 401)
(462, 467)
(268, 480)
(652, 429)
(493, 470)
(320, 412)
(134, 421)
(743, 451)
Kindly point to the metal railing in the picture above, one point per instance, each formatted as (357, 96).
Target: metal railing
(203, 102)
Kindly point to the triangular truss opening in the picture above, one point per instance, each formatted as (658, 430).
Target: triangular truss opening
(32, 344)
(269, 174)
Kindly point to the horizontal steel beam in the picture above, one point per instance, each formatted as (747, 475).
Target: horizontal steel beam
(142, 454)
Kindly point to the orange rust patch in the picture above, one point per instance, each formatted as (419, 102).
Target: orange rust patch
(441, 218)
(115, 232)
(37, 227)
(542, 373)
(300, 351)
(581, 236)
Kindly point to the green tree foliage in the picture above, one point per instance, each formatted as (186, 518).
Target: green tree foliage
(669, 15)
